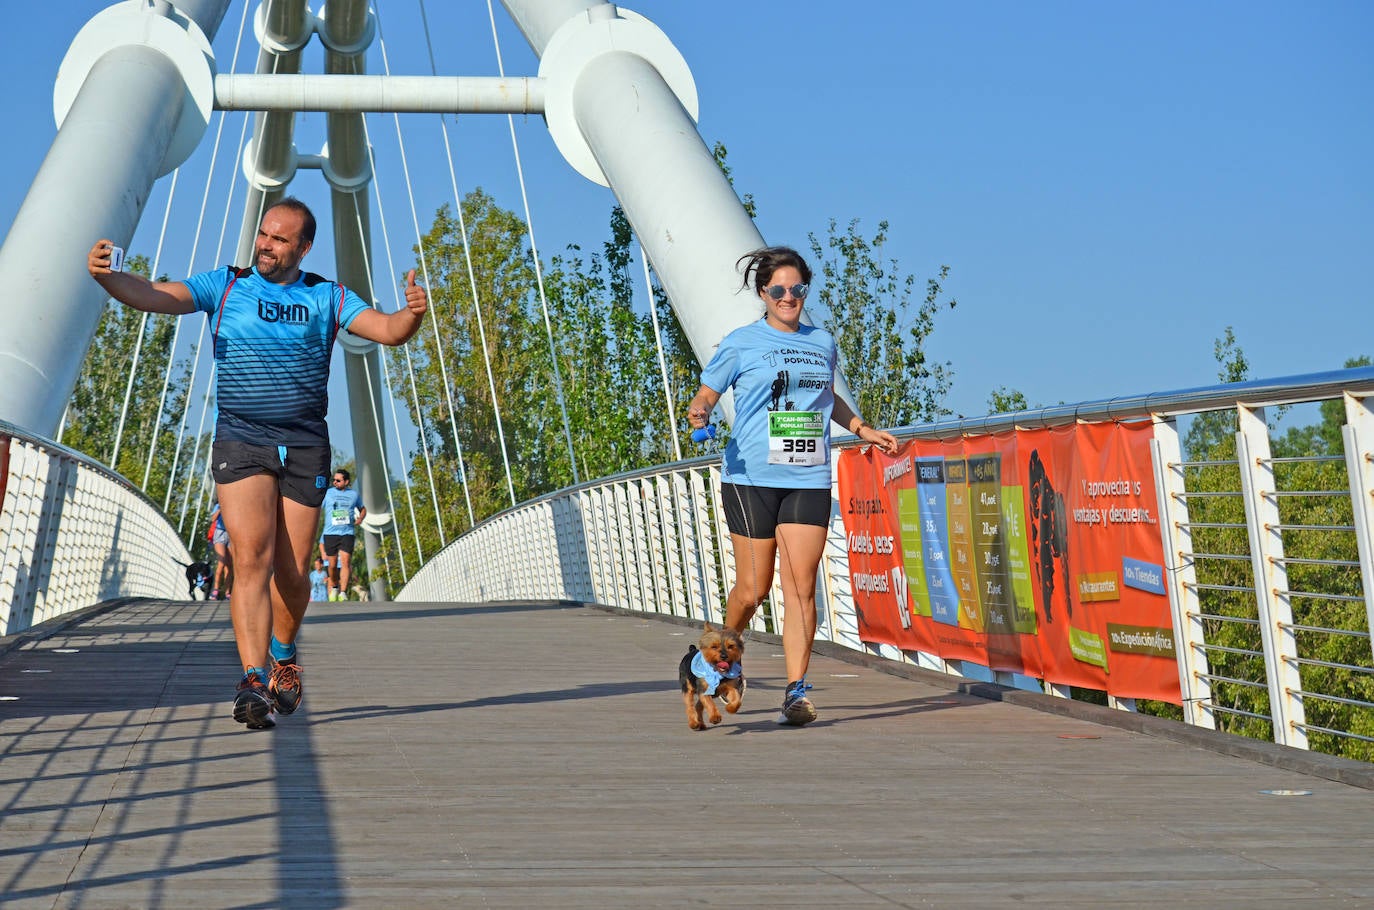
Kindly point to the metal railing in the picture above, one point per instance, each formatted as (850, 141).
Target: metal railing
(1270, 573)
(73, 534)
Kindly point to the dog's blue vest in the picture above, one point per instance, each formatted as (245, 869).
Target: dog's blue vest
(708, 674)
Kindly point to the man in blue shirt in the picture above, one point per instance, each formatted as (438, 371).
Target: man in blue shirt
(274, 328)
(319, 578)
(340, 505)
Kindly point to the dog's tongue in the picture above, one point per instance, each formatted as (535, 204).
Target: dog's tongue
(722, 665)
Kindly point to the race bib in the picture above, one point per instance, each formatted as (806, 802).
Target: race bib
(341, 516)
(796, 437)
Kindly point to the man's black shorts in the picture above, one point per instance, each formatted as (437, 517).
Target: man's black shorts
(302, 472)
(757, 511)
(335, 543)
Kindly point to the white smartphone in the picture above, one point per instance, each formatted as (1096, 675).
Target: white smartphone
(116, 259)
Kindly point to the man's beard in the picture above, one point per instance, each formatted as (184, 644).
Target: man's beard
(276, 268)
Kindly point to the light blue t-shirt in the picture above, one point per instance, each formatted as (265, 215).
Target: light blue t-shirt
(318, 588)
(272, 347)
(772, 372)
(339, 508)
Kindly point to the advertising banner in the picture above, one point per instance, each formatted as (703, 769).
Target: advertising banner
(4, 466)
(1036, 552)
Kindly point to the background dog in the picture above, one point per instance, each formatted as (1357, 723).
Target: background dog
(198, 576)
(711, 669)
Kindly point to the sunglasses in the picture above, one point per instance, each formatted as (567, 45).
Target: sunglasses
(340, 480)
(777, 291)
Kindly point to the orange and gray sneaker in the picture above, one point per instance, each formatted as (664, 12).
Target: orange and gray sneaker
(284, 685)
(253, 703)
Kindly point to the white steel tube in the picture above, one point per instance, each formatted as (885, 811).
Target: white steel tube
(346, 30)
(381, 94)
(1358, 435)
(270, 160)
(693, 225)
(1274, 609)
(127, 110)
(637, 129)
(1175, 531)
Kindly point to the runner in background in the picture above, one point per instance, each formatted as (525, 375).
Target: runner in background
(343, 509)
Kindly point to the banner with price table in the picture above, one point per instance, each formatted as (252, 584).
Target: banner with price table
(1036, 552)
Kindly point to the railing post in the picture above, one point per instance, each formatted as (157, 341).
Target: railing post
(688, 548)
(1181, 576)
(588, 502)
(649, 585)
(649, 530)
(675, 567)
(1272, 601)
(570, 527)
(627, 554)
(590, 516)
(1358, 435)
(721, 583)
(831, 584)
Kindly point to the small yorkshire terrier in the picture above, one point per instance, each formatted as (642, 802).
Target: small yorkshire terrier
(711, 669)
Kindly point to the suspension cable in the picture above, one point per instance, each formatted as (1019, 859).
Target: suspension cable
(386, 472)
(195, 452)
(190, 270)
(200, 337)
(367, 371)
(400, 447)
(424, 267)
(415, 397)
(200, 343)
(414, 391)
(472, 277)
(534, 250)
(143, 322)
(662, 362)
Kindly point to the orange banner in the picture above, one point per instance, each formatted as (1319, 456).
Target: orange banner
(4, 466)
(1035, 552)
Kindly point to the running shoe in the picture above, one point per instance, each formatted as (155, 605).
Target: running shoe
(797, 710)
(253, 704)
(284, 684)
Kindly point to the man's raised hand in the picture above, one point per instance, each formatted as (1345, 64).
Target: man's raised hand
(417, 301)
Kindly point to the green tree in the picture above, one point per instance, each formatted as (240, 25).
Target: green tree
(718, 151)
(1323, 566)
(449, 358)
(611, 386)
(1326, 565)
(92, 423)
(608, 356)
(1005, 400)
(1217, 515)
(881, 331)
(1216, 428)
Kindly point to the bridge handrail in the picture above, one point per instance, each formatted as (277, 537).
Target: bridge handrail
(654, 540)
(74, 533)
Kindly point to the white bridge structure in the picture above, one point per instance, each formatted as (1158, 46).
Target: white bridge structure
(140, 84)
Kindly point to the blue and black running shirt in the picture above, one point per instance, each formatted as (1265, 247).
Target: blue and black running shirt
(272, 348)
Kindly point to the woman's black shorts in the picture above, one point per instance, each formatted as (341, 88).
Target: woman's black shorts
(757, 511)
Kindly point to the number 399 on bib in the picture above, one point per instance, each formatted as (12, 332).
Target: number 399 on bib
(796, 437)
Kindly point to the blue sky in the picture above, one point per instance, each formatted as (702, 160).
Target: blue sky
(1111, 184)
